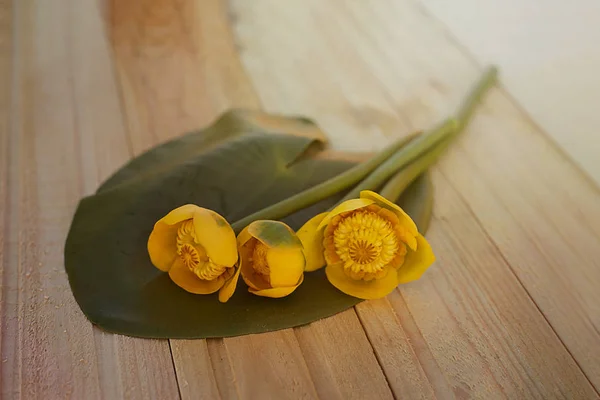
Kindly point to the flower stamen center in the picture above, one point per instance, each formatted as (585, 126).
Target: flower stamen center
(366, 243)
(194, 255)
(362, 251)
(259, 259)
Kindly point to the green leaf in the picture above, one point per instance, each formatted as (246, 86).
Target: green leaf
(231, 124)
(234, 171)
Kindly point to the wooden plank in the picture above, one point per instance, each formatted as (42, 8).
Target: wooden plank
(202, 54)
(195, 374)
(53, 351)
(341, 359)
(7, 235)
(67, 134)
(420, 81)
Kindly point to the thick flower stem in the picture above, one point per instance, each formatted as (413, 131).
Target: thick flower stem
(324, 189)
(398, 183)
(411, 152)
(381, 167)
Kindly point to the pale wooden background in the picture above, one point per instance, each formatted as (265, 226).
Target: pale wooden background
(510, 310)
(549, 52)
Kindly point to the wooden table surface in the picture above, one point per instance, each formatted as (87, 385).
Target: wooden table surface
(511, 308)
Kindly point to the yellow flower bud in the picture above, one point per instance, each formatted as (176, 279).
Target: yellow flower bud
(271, 257)
(369, 244)
(197, 247)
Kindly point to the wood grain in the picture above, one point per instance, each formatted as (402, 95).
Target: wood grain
(510, 309)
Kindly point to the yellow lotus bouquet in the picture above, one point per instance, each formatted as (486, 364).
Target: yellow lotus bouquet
(367, 243)
(177, 227)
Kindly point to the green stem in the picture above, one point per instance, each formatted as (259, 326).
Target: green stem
(421, 153)
(324, 189)
(411, 152)
(403, 178)
(467, 109)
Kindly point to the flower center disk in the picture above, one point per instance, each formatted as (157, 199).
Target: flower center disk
(194, 255)
(366, 243)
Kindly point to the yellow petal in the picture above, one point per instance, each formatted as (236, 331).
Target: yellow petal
(162, 245)
(331, 257)
(368, 290)
(180, 214)
(278, 291)
(274, 234)
(416, 262)
(401, 230)
(186, 279)
(286, 266)
(347, 205)
(243, 237)
(230, 284)
(405, 219)
(312, 241)
(215, 234)
(163, 239)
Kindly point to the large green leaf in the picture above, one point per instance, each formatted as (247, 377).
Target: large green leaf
(106, 259)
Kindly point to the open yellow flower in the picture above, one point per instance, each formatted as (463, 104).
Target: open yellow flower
(271, 258)
(369, 244)
(197, 247)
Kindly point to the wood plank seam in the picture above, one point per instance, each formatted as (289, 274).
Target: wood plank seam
(6, 180)
(128, 138)
(11, 362)
(419, 346)
(375, 354)
(230, 363)
(175, 369)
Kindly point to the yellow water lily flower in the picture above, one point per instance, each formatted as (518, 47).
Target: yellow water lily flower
(271, 257)
(369, 244)
(197, 247)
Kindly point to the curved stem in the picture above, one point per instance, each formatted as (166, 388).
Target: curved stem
(403, 158)
(407, 175)
(467, 108)
(324, 189)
